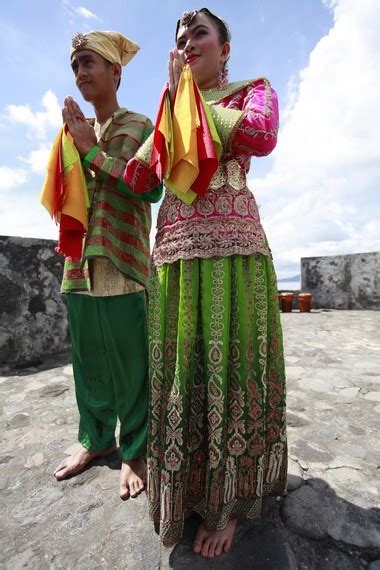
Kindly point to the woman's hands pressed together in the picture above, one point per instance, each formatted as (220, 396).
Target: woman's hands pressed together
(175, 66)
(82, 133)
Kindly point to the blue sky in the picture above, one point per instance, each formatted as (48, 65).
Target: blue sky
(318, 192)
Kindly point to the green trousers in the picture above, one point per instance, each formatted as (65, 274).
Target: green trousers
(110, 363)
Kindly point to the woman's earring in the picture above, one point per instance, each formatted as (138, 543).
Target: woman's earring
(223, 75)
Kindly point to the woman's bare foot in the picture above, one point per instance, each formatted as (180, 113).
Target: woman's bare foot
(210, 543)
(132, 478)
(75, 463)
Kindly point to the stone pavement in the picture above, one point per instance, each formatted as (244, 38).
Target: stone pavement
(328, 520)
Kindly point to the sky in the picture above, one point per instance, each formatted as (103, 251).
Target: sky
(318, 192)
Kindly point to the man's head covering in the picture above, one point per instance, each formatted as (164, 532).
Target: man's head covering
(113, 46)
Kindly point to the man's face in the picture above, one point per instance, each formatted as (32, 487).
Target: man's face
(94, 76)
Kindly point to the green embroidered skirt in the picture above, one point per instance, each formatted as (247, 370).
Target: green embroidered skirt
(217, 436)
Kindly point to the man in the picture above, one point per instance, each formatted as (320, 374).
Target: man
(106, 288)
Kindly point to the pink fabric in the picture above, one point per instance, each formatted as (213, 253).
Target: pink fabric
(139, 178)
(257, 133)
(226, 220)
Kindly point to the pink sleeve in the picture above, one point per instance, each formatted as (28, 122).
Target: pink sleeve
(256, 133)
(138, 177)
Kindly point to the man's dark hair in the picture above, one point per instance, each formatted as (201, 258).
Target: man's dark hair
(110, 63)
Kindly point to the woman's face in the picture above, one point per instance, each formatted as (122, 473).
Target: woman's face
(201, 48)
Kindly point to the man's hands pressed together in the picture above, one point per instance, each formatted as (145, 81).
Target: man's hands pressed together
(82, 133)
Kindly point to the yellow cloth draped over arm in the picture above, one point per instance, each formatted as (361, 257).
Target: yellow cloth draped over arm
(66, 163)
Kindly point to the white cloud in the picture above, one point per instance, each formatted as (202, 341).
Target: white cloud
(40, 125)
(37, 159)
(38, 122)
(330, 3)
(72, 12)
(32, 220)
(321, 196)
(85, 13)
(11, 178)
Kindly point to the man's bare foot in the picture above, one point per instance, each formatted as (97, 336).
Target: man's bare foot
(75, 463)
(132, 478)
(210, 543)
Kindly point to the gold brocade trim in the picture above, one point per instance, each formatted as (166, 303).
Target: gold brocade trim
(229, 173)
(268, 105)
(267, 134)
(108, 281)
(145, 151)
(232, 134)
(215, 94)
(209, 238)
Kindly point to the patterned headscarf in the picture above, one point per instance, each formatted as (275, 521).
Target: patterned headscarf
(113, 46)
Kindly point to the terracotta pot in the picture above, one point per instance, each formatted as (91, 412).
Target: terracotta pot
(304, 301)
(287, 302)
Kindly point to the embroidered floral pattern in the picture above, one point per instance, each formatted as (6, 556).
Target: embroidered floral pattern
(225, 222)
(216, 442)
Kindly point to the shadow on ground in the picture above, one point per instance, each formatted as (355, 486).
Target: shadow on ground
(310, 528)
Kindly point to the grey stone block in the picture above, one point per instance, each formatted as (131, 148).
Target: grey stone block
(33, 319)
(343, 281)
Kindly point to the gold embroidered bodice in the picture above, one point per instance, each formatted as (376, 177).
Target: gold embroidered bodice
(224, 222)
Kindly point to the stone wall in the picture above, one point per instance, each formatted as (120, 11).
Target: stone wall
(33, 319)
(343, 281)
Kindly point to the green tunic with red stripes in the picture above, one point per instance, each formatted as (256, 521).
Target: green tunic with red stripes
(119, 220)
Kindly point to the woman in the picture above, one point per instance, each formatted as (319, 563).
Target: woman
(217, 441)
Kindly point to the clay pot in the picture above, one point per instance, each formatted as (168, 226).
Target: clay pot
(287, 302)
(304, 301)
